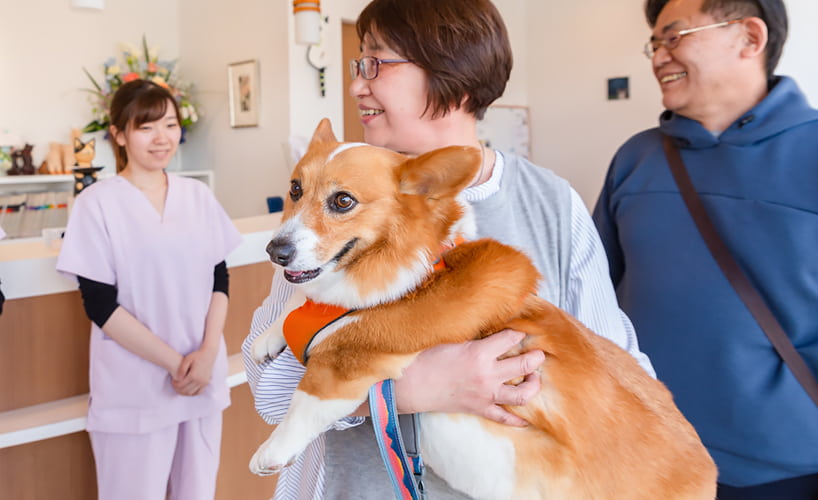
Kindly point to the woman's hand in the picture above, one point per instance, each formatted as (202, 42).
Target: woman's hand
(468, 378)
(194, 372)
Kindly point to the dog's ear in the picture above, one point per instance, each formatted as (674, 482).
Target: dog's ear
(440, 173)
(324, 133)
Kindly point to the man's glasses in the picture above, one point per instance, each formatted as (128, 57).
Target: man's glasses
(671, 39)
(368, 66)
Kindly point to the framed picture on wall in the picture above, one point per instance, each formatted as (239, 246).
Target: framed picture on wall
(243, 89)
(618, 88)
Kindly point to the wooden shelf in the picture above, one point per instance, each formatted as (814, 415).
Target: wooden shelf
(32, 183)
(69, 415)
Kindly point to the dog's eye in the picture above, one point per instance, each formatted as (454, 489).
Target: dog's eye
(342, 202)
(295, 190)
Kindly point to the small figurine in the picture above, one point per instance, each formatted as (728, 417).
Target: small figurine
(84, 173)
(55, 163)
(84, 152)
(21, 163)
(84, 177)
(16, 162)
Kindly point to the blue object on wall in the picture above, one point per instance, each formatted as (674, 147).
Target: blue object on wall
(275, 204)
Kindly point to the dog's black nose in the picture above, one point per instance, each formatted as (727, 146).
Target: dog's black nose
(281, 251)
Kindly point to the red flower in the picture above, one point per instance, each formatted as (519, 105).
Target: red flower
(130, 77)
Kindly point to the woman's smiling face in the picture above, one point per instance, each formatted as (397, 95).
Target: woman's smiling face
(392, 106)
(151, 145)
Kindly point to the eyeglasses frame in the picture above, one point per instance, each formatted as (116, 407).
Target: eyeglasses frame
(649, 51)
(356, 66)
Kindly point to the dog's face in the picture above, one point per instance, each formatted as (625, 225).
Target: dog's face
(362, 224)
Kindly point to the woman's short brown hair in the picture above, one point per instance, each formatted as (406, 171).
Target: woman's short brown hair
(462, 45)
(135, 103)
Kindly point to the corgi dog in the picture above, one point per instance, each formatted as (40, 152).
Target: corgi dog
(361, 229)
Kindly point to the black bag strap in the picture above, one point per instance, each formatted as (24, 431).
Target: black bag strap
(736, 276)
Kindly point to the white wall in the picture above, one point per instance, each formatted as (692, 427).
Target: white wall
(799, 58)
(574, 47)
(248, 163)
(308, 105)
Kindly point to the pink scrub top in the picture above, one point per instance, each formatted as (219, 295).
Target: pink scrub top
(162, 266)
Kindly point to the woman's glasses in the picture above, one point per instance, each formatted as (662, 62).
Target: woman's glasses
(368, 66)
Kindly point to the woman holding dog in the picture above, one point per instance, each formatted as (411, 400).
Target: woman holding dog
(148, 248)
(427, 72)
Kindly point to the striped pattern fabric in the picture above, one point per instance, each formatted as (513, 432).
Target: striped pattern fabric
(591, 299)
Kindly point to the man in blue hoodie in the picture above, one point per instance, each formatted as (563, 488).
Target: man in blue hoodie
(749, 140)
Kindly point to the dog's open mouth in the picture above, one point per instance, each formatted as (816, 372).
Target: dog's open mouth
(298, 277)
(301, 276)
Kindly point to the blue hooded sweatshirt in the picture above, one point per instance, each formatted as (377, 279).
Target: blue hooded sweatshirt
(758, 181)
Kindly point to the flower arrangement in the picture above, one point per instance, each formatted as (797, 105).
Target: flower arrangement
(146, 66)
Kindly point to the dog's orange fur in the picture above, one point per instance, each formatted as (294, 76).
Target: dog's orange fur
(601, 428)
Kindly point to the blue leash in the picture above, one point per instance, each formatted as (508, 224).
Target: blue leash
(403, 468)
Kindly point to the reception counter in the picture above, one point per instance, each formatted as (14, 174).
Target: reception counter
(44, 451)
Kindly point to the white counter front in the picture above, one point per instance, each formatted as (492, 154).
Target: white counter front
(27, 268)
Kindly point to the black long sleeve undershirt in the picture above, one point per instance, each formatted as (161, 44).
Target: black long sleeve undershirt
(221, 279)
(100, 299)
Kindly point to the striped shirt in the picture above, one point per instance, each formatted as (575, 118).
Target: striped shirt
(590, 298)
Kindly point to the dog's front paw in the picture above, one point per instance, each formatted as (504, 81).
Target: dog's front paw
(267, 346)
(266, 463)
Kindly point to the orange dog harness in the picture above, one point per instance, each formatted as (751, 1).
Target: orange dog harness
(305, 323)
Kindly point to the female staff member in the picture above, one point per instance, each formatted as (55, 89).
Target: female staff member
(148, 250)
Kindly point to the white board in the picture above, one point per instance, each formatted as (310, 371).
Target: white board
(506, 128)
